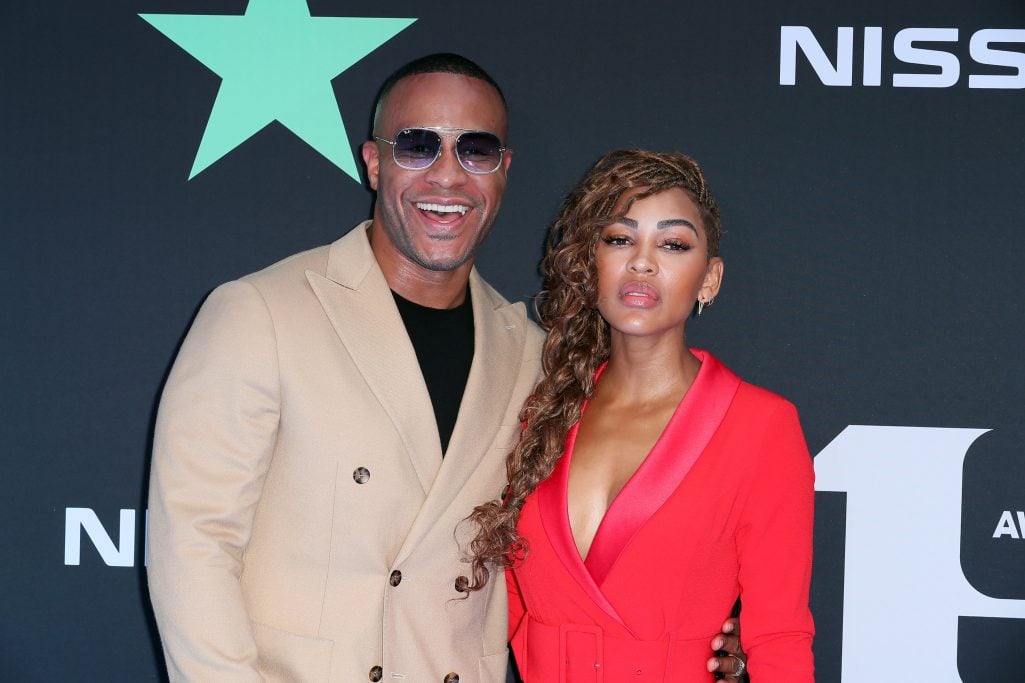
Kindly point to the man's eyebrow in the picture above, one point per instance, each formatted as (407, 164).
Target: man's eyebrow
(661, 225)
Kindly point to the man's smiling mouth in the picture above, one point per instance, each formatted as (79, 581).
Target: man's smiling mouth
(443, 208)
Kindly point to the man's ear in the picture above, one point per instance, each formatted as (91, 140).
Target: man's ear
(507, 156)
(372, 158)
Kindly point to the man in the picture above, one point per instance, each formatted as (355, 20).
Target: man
(331, 420)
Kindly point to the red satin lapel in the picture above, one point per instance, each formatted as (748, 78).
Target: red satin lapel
(684, 439)
(554, 512)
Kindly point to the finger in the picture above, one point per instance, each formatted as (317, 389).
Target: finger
(731, 625)
(726, 665)
(729, 645)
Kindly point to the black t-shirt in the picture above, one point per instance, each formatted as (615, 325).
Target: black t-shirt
(443, 341)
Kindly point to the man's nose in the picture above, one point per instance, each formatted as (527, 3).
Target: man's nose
(446, 171)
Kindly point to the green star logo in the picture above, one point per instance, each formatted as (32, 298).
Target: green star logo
(276, 63)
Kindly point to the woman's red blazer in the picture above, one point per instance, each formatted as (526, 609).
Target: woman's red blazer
(722, 507)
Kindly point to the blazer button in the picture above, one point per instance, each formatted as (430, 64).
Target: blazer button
(361, 475)
(376, 673)
(461, 584)
(451, 678)
(395, 578)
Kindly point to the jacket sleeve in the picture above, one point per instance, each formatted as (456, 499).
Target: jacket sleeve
(775, 549)
(517, 620)
(215, 433)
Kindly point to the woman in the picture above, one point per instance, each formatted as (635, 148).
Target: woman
(650, 487)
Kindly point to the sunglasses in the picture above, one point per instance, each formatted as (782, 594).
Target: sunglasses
(415, 149)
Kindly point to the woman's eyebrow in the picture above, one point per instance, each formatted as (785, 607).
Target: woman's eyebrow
(661, 225)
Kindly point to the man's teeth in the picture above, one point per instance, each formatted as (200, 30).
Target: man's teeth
(443, 208)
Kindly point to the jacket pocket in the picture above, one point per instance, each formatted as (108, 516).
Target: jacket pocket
(286, 656)
(491, 669)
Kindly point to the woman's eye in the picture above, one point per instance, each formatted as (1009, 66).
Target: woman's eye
(616, 240)
(676, 245)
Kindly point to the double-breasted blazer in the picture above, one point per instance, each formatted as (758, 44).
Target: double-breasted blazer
(303, 523)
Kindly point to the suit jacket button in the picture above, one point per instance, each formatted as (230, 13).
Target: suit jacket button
(361, 475)
(395, 578)
(451, 678)
(461, 584)
(376, 673)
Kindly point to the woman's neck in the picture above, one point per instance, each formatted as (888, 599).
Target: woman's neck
(642, 369)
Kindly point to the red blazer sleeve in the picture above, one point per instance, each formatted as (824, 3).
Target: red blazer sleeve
(517, 620)
(774, 542)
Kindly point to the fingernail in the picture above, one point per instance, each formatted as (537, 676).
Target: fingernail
(718, 643)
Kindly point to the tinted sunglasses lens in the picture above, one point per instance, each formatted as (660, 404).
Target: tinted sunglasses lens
(416, 148)
(479, 152)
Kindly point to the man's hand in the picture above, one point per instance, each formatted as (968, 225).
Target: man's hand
(725, 644)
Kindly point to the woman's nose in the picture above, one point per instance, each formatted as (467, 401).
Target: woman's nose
(642, 263)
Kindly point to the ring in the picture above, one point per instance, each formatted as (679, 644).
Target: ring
(741, 667)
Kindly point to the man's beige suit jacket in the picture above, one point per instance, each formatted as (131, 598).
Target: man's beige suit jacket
(303, 523)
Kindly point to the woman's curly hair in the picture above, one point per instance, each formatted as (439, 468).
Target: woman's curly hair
(578, 337)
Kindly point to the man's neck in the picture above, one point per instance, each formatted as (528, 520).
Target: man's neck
(441, 292)
(413, 282)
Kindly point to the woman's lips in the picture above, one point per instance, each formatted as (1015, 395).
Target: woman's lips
(638, 294)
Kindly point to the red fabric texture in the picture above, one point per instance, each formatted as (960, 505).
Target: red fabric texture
(721, 507)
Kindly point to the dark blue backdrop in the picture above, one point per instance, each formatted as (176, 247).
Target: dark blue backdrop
(873, 247)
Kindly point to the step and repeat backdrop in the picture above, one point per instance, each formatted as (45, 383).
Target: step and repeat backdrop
(869, 161)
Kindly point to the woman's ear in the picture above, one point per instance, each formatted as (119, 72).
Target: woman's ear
(713, 279)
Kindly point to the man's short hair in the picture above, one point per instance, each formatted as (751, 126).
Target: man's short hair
(437, 63)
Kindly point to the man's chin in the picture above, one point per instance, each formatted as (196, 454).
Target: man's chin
(440, 263)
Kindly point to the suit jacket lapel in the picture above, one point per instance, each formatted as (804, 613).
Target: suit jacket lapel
(554, 508)
(500, 331)
(499, 339)
(684, 439)
(360, 306)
